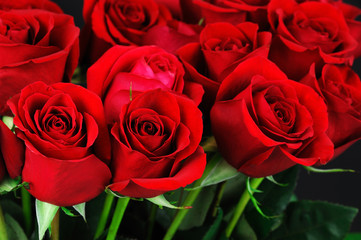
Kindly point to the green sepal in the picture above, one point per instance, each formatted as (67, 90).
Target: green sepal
(9, 122)
(334, 170)
(254, 201)
(69, 212)
(8, 185)
(161, 201)
(45, 212)
(271, 179)
(80, 208)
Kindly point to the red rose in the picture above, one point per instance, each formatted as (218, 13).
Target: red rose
(264, 123)
(124, 22)
(306, 33)
(34, 4)
(12, 152)
(184, 10)
(156, 145)
(340, 87)
(138, 69)
(350, 12)
(172, 36)
(221, 48)
(67, 142)
(36, 45)
(234, 11)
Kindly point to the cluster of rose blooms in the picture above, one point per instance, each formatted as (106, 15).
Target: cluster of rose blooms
(272, 79)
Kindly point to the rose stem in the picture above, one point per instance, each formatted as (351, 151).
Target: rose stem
(104, 215)
(117, 217)
(218, 198)
(26, 203)
(3, 233)
(151, 221)
(255, 182)
(55, 227)
(191, 197)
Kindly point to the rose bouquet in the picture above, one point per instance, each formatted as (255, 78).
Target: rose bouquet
(175, 119)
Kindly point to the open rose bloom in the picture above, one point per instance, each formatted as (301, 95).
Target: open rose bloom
(179, 119)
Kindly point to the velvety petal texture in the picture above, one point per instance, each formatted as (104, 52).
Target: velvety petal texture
(156, 145)
(340, 87)
(124, 22)
(39, 45)
(265, 123)
(33, 4)
(124, 72)
(12, 153)
(234, 11)
(310, 32)
(222, 46)
(67, 142)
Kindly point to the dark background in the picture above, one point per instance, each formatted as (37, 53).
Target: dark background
(342, 188)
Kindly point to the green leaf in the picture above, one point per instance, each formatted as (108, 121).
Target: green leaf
(353, 236)
(200, 208)
(314, 220)
(213, 230)
(334, 170)
(14, 231)
(243, 230)
(8, 184)
(217, 170)
(161, 201)
(45, 213)
(80, 208)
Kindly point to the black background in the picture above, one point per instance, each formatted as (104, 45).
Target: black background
(342, 188)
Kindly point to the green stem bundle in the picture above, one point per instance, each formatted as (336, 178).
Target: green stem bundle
(122, 204)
